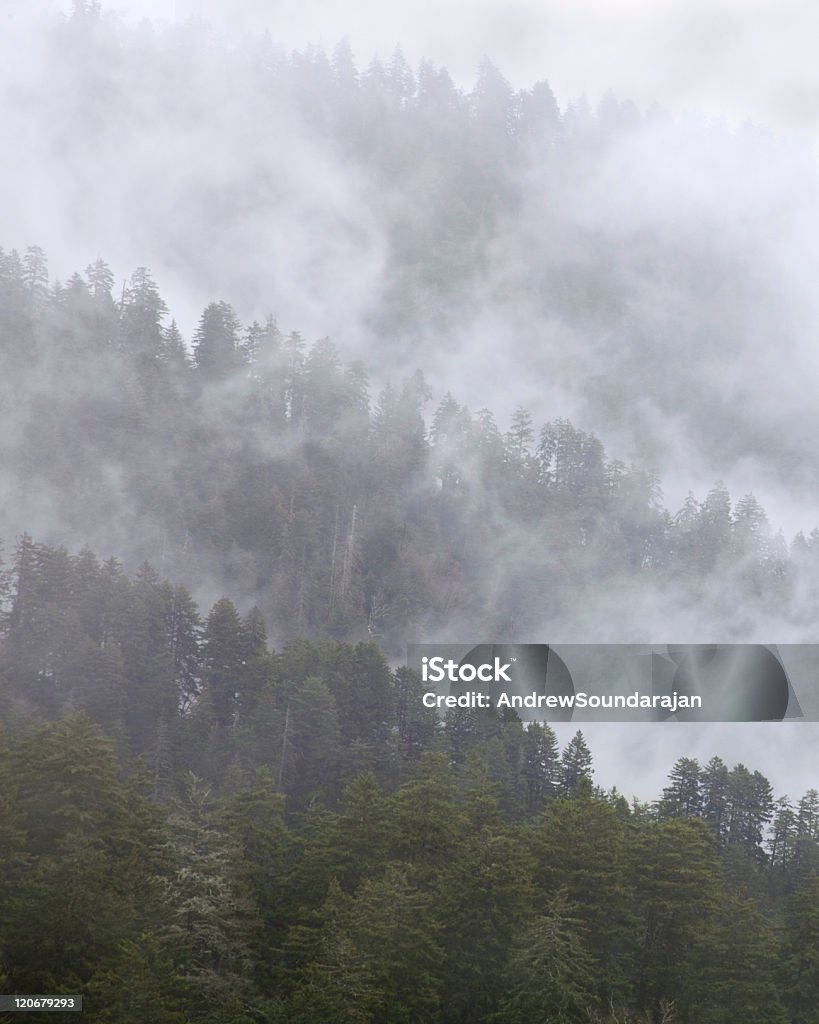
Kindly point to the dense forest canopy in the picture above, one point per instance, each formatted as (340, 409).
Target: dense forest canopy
(197, 827)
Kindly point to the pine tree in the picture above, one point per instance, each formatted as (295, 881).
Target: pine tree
(310, 744)
(678, 889)
(715, 799)
(584, 846)
(216, 349)
(739, 981)
(550, 971)
(575, 764)
(400, 79)
(91, 857)
(323, 389)
(365, 831)
(223, 661)
(784, 835)
(35, 276)
(750, 809)
(139, 983)
(519, 439)
(211, 914)
(714, 532)
(538, 124)
(254, 818)
(540, 770)
(379, 957)
(182, 630)
(427, 826)
(256, 664)
(800, 953)
(141, 313)
(682, 797)
(485, 894)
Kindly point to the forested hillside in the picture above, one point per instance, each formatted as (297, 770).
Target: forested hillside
(413, 362)
(198, 828)
(258, 465)
(645, 274)
(567, 274)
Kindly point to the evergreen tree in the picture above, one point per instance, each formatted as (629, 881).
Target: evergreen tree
(750, 809)
(800, 959)
(783, 838)
(485, 893)
(538, 124)
(584, 847)
(575, 764)
(141, 313)
(740, 982)
(310, 747)
(223, 661)
(323, 388)
(519, 439)
(550, 970)
(682, 797)
(90, 858)
(677, 888)
(216, 349)
(541, 767)
(715, 799)
(211, 915)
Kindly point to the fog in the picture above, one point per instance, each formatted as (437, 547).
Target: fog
(743, 61)
(667, 302)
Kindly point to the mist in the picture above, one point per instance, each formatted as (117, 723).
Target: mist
(650, 278)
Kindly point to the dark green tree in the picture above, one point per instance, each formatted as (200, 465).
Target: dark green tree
(550, 972)
(800, 952)
(223, 657)
(682, 797)
(575, 764)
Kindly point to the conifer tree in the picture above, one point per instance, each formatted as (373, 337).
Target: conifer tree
(550, 971)
(682, 797)
(216, 348)
(575, 764)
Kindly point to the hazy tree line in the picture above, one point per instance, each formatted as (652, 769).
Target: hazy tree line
(381, 201)
(259, 465)
(197, 827)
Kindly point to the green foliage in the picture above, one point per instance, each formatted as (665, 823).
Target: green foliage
(379, 958)
(575, 764)
(317, 849)
(584, 847)
(550, 973)
(139, 984)
(210, 915)
(682, 797)
(485, 896)
(739, 981)
(800, 952)
(677, 887)
(83, 857)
